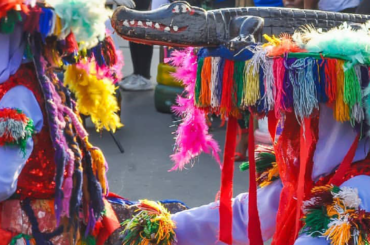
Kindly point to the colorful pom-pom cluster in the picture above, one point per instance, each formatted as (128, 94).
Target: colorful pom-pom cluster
(335, 213)
(15, 128)
(152, 225)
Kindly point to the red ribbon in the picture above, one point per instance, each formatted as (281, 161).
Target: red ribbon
(254, 224)
(226, 211)
(307, 147)
(346, 164)
(109, 222)
(272, 125)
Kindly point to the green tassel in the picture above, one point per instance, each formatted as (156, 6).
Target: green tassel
(244, 166)
(198, 84)
(8, 23)
(14, 239)
(316, 222)
(239, 78)
(352, 88)
(335, 189)
(90, 240)
(28, 52)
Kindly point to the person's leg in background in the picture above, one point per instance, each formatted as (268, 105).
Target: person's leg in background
(364, 7)
(141, 56)
(218, 4)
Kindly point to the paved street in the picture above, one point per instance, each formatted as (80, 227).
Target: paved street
(142, 171)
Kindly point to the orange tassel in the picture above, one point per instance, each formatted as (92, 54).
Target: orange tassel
(98, 164)
(205, 93)
(341, 109)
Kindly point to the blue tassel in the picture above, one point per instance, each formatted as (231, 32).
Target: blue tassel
(287, 85)
(98, 54)
(45, 22)
(322, 96)
(220, 76)
(302, 75)
(364, 76)
(76, 198)
(261, 107)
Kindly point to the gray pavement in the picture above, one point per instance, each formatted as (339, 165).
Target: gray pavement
(142, 171)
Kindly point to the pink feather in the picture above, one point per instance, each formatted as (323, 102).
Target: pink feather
(192, 137)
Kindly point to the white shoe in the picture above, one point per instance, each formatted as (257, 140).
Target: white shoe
(128, 79)
(138, 84)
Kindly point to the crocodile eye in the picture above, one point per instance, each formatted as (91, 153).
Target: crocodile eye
(176, 9)
(185, 8)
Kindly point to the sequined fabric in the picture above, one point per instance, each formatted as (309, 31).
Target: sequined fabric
(36, 180)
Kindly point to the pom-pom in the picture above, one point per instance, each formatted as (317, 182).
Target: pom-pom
(334, 213)
(152, 225)
(85, 18)
(15, 128)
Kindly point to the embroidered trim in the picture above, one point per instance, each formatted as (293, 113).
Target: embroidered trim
(15, 128)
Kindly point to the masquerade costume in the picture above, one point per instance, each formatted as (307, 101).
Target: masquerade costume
(311, 188)
(53, 187)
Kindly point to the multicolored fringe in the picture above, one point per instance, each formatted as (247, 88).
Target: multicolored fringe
(152, 225)
(297, 82)
(335, 213)
(266, 166)
(15, 128)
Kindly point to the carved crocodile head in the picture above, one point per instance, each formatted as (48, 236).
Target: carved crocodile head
(176, 24)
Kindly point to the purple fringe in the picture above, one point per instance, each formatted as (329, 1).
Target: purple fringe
(287, 86)
(95, 190)
(53, 117)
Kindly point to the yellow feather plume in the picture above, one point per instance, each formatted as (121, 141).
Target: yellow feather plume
(95, 97)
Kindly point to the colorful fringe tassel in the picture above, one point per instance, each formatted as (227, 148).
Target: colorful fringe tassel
(283, 84)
